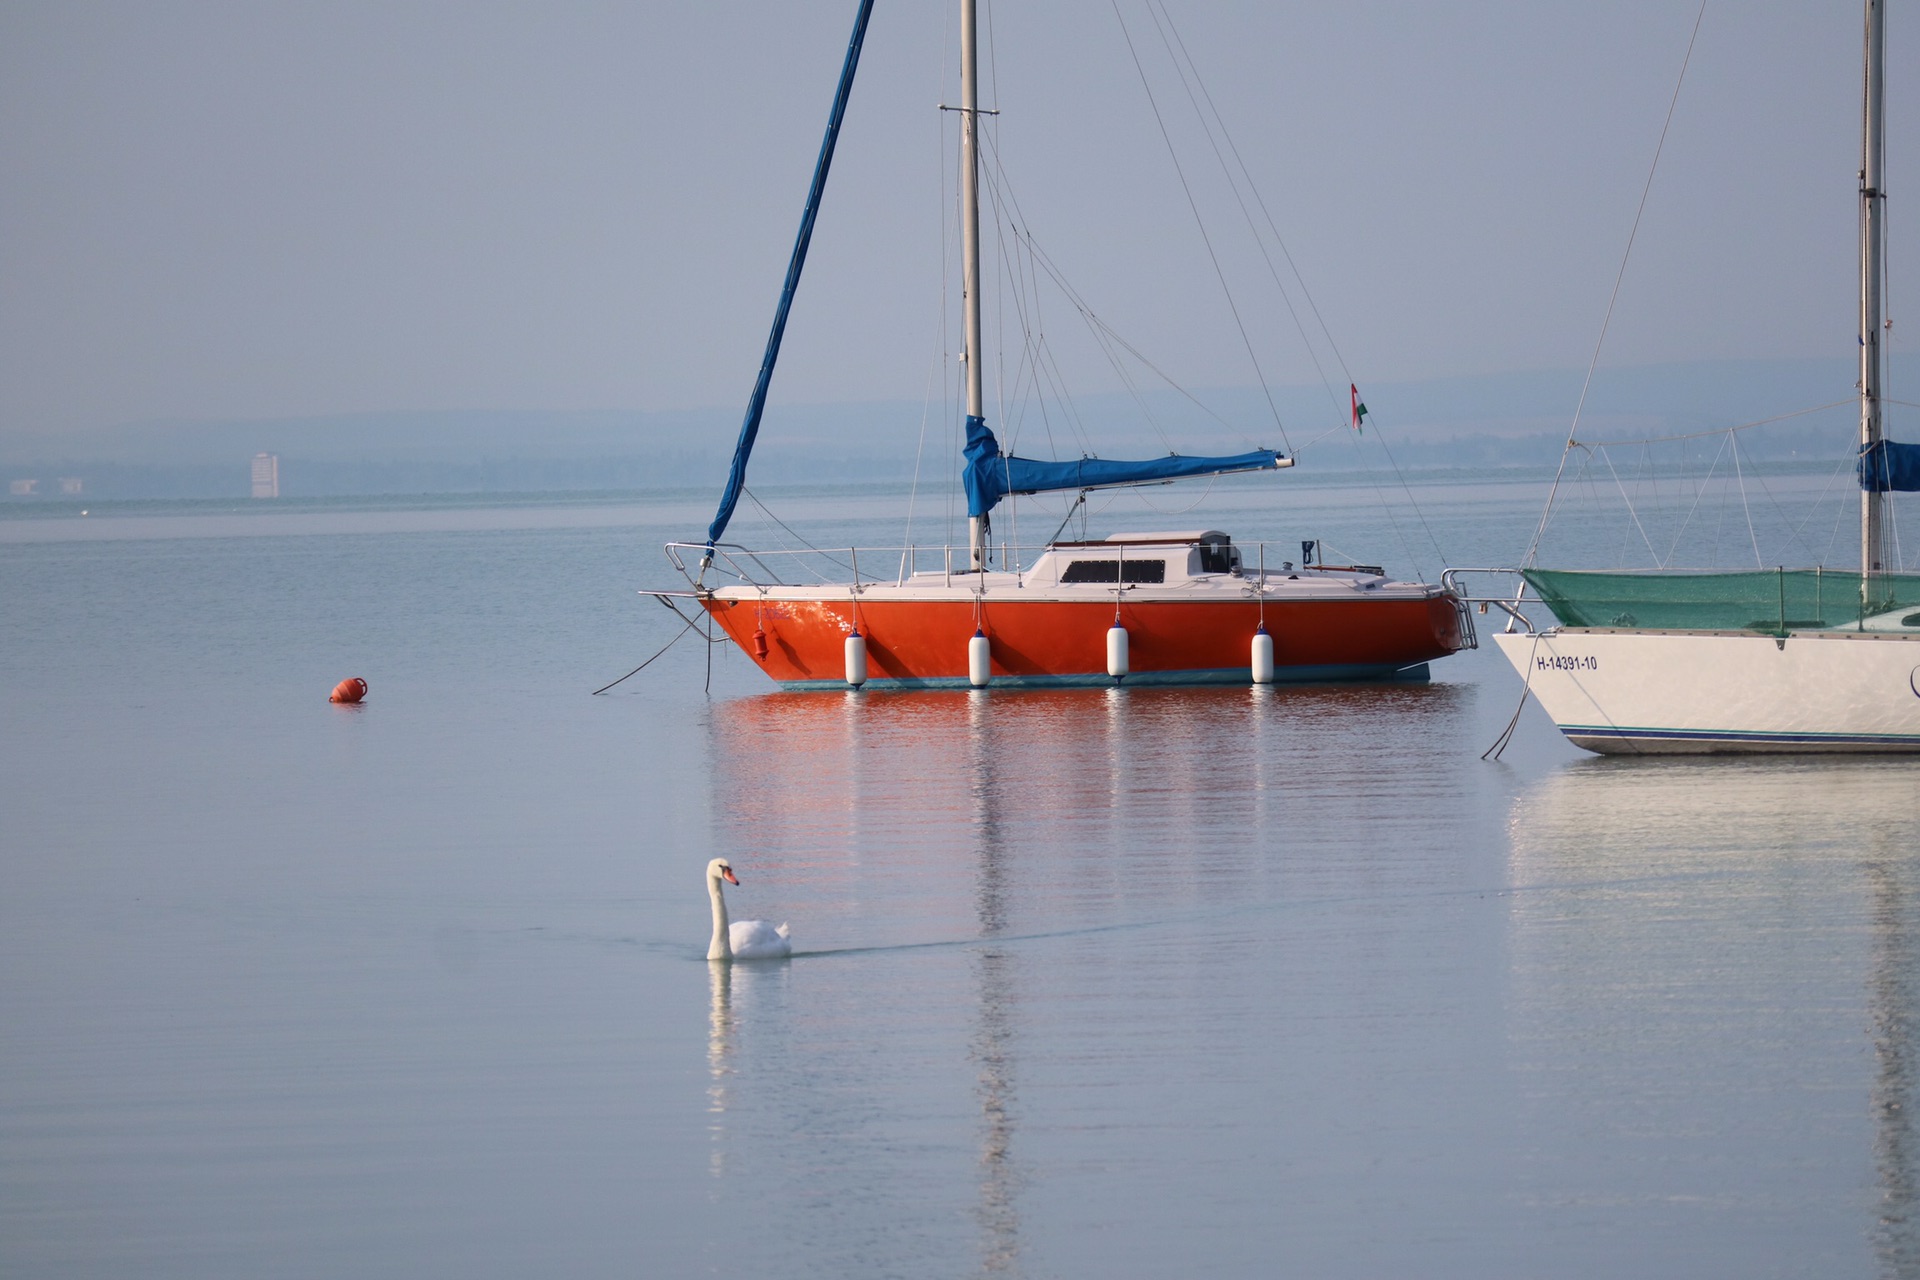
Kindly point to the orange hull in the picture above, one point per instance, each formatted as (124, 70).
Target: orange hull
(1053, 642)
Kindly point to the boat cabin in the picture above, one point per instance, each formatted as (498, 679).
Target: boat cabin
(1138, 559)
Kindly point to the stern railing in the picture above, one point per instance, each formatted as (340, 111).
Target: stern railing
(1469, 604)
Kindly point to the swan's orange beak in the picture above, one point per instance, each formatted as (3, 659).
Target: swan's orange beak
(728, 873)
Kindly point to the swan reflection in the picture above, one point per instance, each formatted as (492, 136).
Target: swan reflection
(915, 835)
(719, 1060)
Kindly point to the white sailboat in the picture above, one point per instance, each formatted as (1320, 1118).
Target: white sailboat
(1770, 660)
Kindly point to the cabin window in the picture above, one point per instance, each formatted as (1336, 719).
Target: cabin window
(1134, 571)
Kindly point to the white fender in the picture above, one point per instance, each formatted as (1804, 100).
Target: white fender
(856, 659)
(979, 660)
(1262, 656)
(1116, 651)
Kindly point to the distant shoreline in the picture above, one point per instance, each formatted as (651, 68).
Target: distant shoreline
(1480, 425)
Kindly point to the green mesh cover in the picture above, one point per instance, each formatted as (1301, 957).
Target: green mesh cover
(1769, 600)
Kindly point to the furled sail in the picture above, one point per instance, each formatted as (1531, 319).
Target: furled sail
(990, 475)
(757, 403)
(1889, 466)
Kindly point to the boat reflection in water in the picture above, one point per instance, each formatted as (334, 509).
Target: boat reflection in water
(842, 786)
(954, 865)
(1897, 1239)
(1731, 931)
(996, 975)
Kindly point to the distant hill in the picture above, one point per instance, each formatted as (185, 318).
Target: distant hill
(1478, 423)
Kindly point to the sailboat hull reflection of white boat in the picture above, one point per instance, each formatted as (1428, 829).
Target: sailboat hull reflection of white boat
(1758, 661)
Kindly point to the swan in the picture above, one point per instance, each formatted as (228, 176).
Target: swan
(743, 939)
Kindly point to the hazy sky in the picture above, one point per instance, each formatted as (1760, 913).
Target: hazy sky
(219, 210)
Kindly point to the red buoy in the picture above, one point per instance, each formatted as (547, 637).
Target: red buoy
(350, 690)
(759, 644)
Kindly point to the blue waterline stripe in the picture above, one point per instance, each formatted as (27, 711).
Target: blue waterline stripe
(1417, 674)
(1741, 735)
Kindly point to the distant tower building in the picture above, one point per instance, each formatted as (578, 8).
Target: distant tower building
(266, 475)
(70, 485)
(24, 488)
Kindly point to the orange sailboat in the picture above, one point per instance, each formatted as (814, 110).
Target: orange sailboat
(1153, 608)
(1144, 608)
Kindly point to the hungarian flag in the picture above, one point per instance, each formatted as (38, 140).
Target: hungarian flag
(1359, 410)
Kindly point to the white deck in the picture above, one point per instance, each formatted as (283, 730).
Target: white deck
(1199, 566)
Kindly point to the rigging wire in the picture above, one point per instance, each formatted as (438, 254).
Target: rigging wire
(1206, 493)
(1608, 459)
(1192, 204)
(1325, 330)
(1745, 509)
(1037, 360)
(1841, 465)
(1715, 431)
(1649, 477)
(686, 625)
(1627, 532)
(926, 412)
(1893, 527)
(1500, 743)
(1794, 536)
(1840, 514)
(1210, 118)
(1266, 213)
(1699, 492)
(1574, 429)
(1109, 339)
(1010, 220)
(940, 359)
(828, 556)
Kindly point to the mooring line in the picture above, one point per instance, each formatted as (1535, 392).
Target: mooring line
(685, 626)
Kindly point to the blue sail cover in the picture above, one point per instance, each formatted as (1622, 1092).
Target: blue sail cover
(990, 475)
(757, 403)
(1886, 465)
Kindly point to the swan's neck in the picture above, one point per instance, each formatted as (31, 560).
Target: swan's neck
(721, 948)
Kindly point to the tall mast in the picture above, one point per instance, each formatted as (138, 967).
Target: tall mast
(1872, 233)
(970, 243)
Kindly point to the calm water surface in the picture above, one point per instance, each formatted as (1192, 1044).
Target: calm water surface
(1136, 983)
